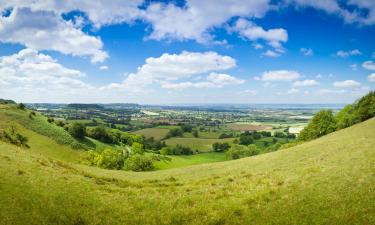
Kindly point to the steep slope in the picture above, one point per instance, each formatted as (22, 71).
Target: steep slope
(326, 181)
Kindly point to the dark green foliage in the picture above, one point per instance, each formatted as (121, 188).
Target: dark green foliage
(224, 135)
(246, 138)
(21, 106)
(152, 144)
(6, 101)
(175, 132)
(137, 148)
(186, 128)
(32, 115)
(280, 134)
(265, 133)
(139, 162)
(195, 133)
(50, 120)
(321, 124)
(220, 147)
(77, 130)
(100, 133)
(176, 150)
(12, 136)
(240, 151)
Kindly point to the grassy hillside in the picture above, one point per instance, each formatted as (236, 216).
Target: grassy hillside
(330, 180)
(157, 133)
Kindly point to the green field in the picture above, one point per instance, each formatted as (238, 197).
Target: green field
(200, 144)
(157, 133)
(329, 180)
(188, 160)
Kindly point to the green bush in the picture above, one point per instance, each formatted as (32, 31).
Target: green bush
(240, 151)
(13, 137)
(220, 147)
(139, 162)
(77, 130)
(321, 124)
(108, 158)
(176, 150)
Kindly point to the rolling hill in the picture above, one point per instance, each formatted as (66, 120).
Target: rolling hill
(330, 180)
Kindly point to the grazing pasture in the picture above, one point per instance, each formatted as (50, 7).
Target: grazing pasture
(157, 133)
(248, 127)
(200, 144)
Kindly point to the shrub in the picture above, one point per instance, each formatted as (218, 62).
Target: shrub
(139, 162)
(280, 134)
(224, 135)
(13, 137)
(246, 139)
(220, 147)
(77, 130)
(108, 158)
(240, 151)
(21, 106)
(137, 148)
(176, 150)
(175, 132)
(321, 124)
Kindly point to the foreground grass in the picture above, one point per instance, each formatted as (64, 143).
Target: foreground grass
(326, 181)
(188, 160)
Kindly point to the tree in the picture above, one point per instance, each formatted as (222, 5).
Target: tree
(139, 162)
(321, 124)
(240, 151)
(21, 106)
(137, 148)
(220, 147)
(195, 133)
(246, 139)
(77, 130)
(107, 159)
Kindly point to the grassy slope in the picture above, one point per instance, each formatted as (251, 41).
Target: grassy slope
(326, 181)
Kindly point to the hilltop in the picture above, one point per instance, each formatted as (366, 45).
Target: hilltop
(329, 180)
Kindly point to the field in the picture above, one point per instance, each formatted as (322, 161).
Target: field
(188, 160)
(157, 133)
(200, 144)
(41, 185)
(248, 127)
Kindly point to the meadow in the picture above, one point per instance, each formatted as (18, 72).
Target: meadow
(157, 133)
(41, 185)
(199, 144)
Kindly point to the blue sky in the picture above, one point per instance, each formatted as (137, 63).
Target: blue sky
(168, 52)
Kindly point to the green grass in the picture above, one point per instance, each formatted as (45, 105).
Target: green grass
(188, 160)
(200, 144)
(330, 180)
(157, 133)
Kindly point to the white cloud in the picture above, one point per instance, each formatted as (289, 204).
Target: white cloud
(42, 30)
(250, 31)
(307, 51)
(319, 76)
(346, 84)
(353, 15)
(305, 83)
(258, 46)
(29, 72)
(176, 67)
(103, 68)
(371, 77)
(271, 53)
(197, 18)
(354, 67)
(280, 75)
(345, 54)
(369, 65)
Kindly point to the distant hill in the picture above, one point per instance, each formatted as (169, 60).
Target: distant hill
(329, 180)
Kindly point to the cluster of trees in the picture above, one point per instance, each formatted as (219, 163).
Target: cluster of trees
(179, 131)
(135, 160)
(240, 151)
(325, 122)
(220, 147)
(152, 144)
(176, 150)
(225, 135)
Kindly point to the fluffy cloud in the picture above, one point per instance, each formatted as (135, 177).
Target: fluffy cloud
(345, 54)
(197, 18)
(304, 83)
(250, 31)
(307, 51)
(369, 65)
(42, 30)
(354, 67)
(271, 53)
(176, 67)
(280, 75)
(103, 68)
(29, 71)
(346, 84)
(371, 77)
